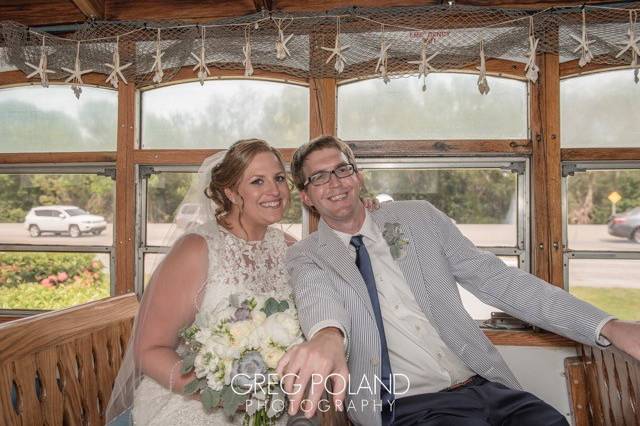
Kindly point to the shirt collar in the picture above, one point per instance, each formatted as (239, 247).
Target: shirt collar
(369, 230)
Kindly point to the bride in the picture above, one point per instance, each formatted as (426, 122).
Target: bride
(240, 193)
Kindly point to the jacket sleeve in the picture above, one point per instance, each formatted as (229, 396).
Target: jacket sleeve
(318, 304)
(513, 290)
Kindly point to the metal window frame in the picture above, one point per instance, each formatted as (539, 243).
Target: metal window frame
(569, 168)
(100, 169)
(518, 165)
(142, 249)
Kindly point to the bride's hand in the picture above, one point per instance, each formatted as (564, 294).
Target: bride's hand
(371, 204)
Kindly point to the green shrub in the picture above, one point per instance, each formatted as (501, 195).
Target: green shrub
(56, 268)
(12, 215)
(35, 296)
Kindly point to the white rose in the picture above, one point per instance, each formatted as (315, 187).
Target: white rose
(240, 331)
(282, 328)
(271, 356)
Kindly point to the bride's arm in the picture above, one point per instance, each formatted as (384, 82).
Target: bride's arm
(170, 302)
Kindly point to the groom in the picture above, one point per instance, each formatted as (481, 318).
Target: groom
(379, 290)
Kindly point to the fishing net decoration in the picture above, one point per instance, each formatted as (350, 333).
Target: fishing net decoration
(451, 36)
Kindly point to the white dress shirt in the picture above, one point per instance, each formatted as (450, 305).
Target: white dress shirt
(415, 347)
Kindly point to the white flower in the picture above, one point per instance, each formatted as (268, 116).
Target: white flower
(271, 355)
(282, 328)
(258, 317)
(214, 381)
(240, 331)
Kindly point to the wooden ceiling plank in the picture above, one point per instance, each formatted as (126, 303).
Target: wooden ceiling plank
(91, 8)
(40, 12)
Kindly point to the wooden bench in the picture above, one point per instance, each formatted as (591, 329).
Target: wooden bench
(604, 387)
(58, 368)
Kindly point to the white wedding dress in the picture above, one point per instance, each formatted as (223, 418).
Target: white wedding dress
(254, 267)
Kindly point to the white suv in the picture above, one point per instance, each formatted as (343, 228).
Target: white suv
(63, 219)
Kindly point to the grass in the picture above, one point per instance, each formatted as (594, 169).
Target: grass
(624, 303)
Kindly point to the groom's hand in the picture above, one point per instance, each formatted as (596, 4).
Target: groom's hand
(315, 361)
(624, 335)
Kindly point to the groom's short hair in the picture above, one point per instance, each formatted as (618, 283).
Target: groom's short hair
(321, 142)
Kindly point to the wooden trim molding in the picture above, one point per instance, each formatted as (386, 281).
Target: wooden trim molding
(125, 191)
(185, 156)
(58, 157)
(18, 78)
(605, 154)
(571, 69)
(546, 176)
(416, 148)
(527, 338)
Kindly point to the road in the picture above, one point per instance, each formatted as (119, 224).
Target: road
(595, 273)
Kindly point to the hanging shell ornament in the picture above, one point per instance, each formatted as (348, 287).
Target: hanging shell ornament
(337, 51)
(157, 63)
(424, 65)
(585, 53)
(41, 69)
(483, 84)
(75, 74)
(531, 68)
(116, 68)
(201, 61)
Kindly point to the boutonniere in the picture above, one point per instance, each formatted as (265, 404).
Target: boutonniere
(394, 237)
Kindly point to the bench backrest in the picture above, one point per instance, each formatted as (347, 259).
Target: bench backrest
(604, 387)
(58, 368)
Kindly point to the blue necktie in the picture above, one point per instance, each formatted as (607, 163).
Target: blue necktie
(363, 262)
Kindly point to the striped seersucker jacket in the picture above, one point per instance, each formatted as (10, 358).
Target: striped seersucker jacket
(328, 287)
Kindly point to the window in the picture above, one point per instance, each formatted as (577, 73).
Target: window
(223, 111)
(600, 110)
(602, 235)
(485, 197)
(450, 108)
(56, 235)
(57, 121)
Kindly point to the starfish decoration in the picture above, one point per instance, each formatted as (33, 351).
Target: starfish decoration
(246, 49)
(632, 44)
(75, 74)
(381, 66)
(337, 52)
(585, 54)
(41, 69)
(531, 67)
(201, 61)
(157, 62)
(116, 68)
(483, 85)
(424, 67)
(282, 52)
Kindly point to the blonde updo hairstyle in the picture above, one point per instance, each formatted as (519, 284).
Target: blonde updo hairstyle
(228, 172)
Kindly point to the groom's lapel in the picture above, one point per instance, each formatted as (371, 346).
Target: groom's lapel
(339, 257)
(409, 263)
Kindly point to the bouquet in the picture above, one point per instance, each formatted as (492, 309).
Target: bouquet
(234, 351)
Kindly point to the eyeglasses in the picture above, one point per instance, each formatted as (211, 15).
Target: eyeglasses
(320, 178)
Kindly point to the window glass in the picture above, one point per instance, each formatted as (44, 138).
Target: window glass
(482, 202)
(223, 111)
(450, 108)
(45, 280)
(600, 110)
(594, 221)
(38, 119)
(165, 191)
(611, 285)
(57, 209)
